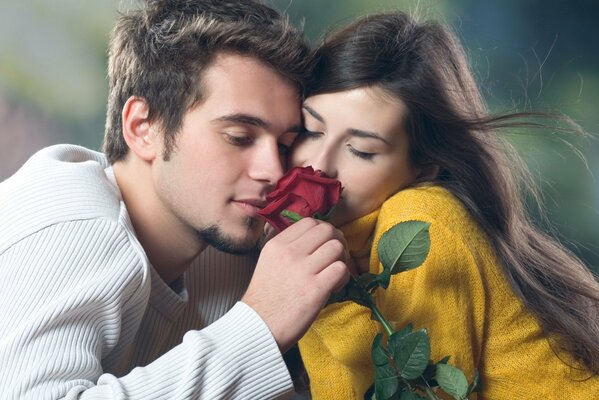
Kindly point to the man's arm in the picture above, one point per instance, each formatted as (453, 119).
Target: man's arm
(75, 291)
(233, 358)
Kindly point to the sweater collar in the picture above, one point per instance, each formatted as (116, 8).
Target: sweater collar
(169, 300)
(358, 234)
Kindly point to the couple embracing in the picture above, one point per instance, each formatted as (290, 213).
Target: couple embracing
(121, 270)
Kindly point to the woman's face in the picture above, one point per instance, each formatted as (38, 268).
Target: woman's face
(358, 137)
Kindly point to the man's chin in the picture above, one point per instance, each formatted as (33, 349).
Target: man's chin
(215, 237)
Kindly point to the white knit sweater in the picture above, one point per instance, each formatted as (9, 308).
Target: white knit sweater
(83, 315)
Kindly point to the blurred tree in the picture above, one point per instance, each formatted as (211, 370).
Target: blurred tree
(536, 55)
(52, 71)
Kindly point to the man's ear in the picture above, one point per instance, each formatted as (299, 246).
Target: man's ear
(139, 133)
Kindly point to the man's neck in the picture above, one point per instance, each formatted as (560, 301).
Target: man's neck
(169, 245)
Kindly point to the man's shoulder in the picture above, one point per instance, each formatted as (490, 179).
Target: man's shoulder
(58, 184)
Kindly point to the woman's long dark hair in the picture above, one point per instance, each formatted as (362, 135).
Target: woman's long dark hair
(424, 65)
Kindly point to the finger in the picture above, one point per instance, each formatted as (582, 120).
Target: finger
(312, 239)
(325, 255)
(334, 277)
(296, 230)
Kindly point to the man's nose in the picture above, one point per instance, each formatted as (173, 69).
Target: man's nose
(267, 164)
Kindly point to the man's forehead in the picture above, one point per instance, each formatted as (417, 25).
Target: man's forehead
(241, 71)
(240, 89)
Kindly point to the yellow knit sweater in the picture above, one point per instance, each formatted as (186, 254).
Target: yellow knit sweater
(459, 294)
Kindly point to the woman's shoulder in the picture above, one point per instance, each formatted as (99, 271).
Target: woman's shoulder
(428, 203)
(453, 231)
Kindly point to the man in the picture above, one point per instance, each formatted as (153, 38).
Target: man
(96, 250)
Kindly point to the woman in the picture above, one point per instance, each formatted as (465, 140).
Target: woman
(394, 113)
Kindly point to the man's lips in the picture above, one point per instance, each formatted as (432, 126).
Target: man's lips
(250, 206)
(258, 203)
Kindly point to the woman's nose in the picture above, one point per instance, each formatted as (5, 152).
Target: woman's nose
(325, 162)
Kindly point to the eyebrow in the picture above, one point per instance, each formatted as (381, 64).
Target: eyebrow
(367, 134)
(313, 112)
(247, 119)
(352, 131)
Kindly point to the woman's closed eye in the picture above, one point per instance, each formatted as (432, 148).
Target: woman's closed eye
(308, 134)
(360, 154)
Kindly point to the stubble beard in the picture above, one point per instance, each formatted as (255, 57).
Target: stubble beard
(215, 237)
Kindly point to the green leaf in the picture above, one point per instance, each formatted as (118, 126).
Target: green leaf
(410, 352)
(384, 279)
(368, 280)
(352, 292)
(476, 386)
(291, 216)
(405, 330)
(338, 297)
(430, 371)
(428, 376)
(386, 382)
(379, 354)
(371, 281)
(405, 246)
(444, 360)
(452, 381)
(370, 395)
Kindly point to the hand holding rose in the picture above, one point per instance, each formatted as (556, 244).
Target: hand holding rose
(296, 273)
(300, 267)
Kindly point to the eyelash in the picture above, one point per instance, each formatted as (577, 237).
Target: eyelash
(361, 154)
(311, 135)
(240, 141)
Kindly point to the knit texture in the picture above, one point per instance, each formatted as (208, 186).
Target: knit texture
(461, 297)
(81, 306)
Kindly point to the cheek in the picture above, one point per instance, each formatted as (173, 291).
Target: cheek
(360, 192)
(295, 160)
(368, 188)
(216, 161)
(368, 196)
(302, 154)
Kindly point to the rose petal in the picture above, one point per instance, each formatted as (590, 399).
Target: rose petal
(303, 191)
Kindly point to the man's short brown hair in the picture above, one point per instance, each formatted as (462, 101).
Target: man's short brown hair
(158, 53)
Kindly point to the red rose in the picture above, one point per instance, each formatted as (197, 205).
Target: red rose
(302, 191)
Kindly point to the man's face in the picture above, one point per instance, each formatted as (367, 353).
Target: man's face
(229, 153)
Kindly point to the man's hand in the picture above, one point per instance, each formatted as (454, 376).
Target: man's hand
(296, 273)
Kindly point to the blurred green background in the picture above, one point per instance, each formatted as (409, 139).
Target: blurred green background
(526, 54)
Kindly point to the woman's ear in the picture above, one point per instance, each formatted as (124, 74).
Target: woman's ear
(139, 133)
